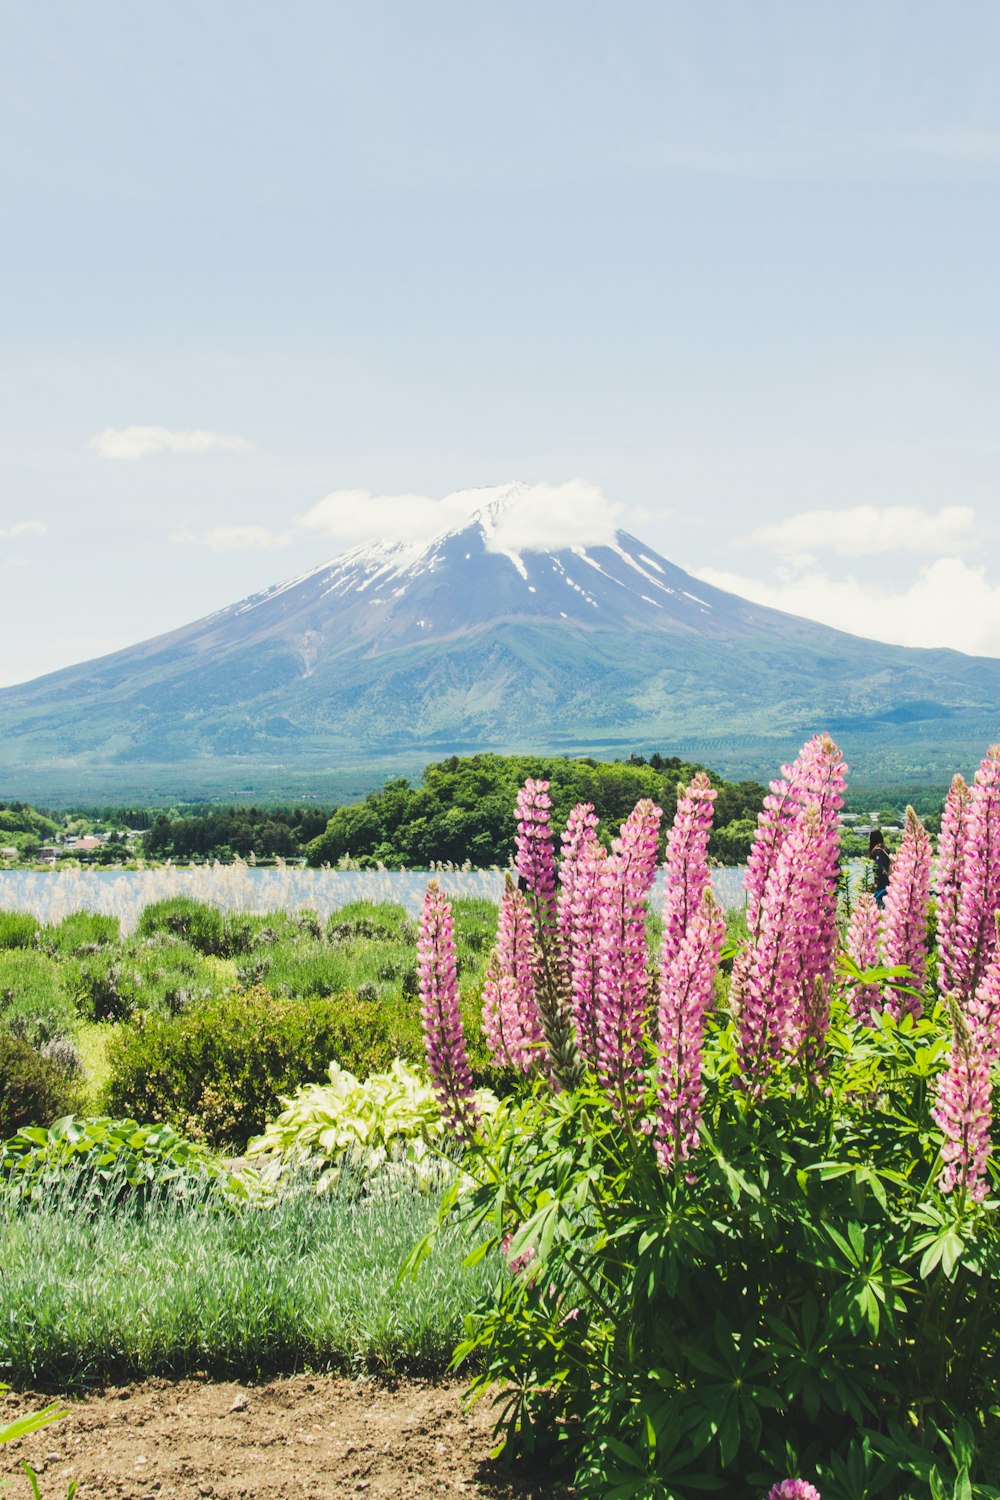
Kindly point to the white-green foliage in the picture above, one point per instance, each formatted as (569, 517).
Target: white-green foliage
(197, 1283)
(387, 1127)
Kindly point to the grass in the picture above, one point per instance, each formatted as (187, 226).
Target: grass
(188, 1285)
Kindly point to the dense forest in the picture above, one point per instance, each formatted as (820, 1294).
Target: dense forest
(463, 808)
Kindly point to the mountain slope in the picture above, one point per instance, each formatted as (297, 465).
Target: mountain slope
(393, 651)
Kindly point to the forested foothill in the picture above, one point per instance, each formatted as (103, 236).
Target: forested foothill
(461, 810)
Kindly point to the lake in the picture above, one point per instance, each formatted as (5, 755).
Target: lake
(51, 895)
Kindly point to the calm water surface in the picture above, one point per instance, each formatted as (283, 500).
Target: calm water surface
(50, 895)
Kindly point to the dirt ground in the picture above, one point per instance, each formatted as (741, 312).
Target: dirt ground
(301, 1438)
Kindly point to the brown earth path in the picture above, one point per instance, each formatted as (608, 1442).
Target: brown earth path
(306, 1437)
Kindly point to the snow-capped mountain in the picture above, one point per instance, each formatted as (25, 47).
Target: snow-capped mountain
(468, 642)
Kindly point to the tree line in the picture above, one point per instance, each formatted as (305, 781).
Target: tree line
(463, 807)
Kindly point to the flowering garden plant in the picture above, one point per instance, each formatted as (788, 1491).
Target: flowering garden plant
(744, 1198)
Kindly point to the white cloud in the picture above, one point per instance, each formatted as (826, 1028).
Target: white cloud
(539, 517)
(866, 530)
(530, 517)
(24, 528)
(234, 539)
(948, 603)
(353, 516)
(138, 442)
(519, 518)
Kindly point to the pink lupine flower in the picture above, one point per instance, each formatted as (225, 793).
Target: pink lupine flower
(951, 857)
(792, 952)
(963, 1111)
(975, 936)
(444, 1039)
(686, 988)
(863, 946)
(904, 922)
(623, 985)
(536, 868)
(774, 822)
(535, 858)
(815, 778)
(584, 945)
(511, 1021)
(791, 913)
(686, 863)
(579, 833)
(983, 1010)
(794, 1489)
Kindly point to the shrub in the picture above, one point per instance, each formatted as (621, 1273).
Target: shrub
(81, 932)
(218, 1070)
(200, 925)
(17, 929)
(98, 1158)
(384, 920)
(34, 1090)
(160, 973)
(34, 1004)
(381, 1129)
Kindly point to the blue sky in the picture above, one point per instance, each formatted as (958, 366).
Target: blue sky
(732, 266)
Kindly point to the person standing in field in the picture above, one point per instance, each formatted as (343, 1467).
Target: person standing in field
(879, 856)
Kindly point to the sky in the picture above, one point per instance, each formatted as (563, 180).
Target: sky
(276, 279)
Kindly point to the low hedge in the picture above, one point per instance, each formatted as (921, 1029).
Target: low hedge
(216, 1070)
(34, 1090)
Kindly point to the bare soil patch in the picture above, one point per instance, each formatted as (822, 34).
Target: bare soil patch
(306, 1437)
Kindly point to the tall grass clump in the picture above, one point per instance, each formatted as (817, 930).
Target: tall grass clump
(188, 1281)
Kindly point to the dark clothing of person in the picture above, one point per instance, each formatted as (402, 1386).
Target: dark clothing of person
(880, 863)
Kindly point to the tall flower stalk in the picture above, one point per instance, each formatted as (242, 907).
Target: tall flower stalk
(585, 925)
(791, 914)
(904, 925)
(686, 863)
(686, 988)
(511, 1023)
(623, 981)
(963, 1110)
(951, 858)
(862, 944)
(975, 930)
(536, 868)
(444, 1039)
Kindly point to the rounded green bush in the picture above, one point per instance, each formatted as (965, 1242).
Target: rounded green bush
(79, 933)
(217, 1071)
(34, 1090)
(17, 929)
(200, 925)
(34, 1004)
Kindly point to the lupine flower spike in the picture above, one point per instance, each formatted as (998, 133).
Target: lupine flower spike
(536, 867)
(511, 1022)
(444, 1039)
(963, 1111)
(623, 985)
(686, 990)
(983, 1010)
(584, 945)
(791, 913)
(975, 937)
(904, 924)
(948, 885)
(686, 864)
(863, 946)
(794, 1489)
